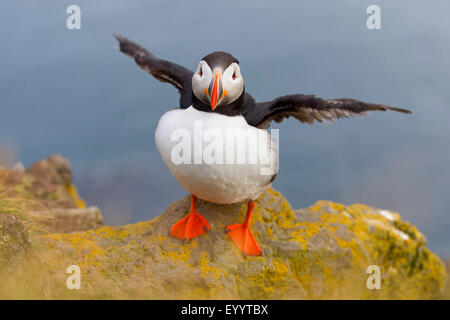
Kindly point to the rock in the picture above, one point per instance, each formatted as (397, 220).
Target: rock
(69, 220)
(46, 190)
(319, 252)
(52, 183)
(18, 167)
(446, 294)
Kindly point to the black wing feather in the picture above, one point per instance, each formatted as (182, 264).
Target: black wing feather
(309, 108)
(162, 70)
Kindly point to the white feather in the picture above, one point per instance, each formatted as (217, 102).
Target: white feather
(219, 183)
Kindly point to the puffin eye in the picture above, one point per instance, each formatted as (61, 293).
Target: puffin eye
(234, 75)
(200, 72)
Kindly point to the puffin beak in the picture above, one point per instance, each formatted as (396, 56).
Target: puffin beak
(216, 89)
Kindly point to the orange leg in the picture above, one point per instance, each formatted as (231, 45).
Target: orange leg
(242, 236)
(191, 226)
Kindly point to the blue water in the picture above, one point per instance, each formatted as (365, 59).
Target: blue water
(70, 92)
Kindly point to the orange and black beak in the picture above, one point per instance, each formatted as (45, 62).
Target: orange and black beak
(216, 89)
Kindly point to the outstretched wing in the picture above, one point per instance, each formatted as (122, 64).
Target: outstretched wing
(308, 108)
(162, 70)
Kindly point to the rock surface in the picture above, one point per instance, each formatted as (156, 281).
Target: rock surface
(66, 220)
(320, 252)
(46, 190)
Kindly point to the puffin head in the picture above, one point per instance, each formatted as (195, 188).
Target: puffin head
(218, 80)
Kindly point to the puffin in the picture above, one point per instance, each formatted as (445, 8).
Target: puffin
(213, 100)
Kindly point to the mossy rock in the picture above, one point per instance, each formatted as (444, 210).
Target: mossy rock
(45, 193)
(319, 252)
(48, 183)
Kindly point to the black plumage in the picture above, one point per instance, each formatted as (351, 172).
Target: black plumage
(305, 108)
(309, 108)
(220, 59)
(162, 70)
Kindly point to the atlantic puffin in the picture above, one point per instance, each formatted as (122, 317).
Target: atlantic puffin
(214, 98)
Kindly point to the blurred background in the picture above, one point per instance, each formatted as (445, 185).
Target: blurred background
(70, 92)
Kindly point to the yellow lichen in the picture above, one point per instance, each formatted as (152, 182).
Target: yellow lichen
(324, 256)
(74, 194)
(206, 268)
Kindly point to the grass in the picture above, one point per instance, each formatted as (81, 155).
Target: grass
(14, 200)
(446, 293)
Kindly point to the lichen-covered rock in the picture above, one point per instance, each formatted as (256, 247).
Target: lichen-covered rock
(45, 190)
(48, 180)
(69, 220)
(319, 252)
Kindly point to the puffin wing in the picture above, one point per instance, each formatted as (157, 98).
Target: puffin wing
(163, 70)
(308, 108)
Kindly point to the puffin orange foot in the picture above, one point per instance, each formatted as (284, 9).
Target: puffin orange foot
(191, 226)
(244, 240)
(242, 235)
